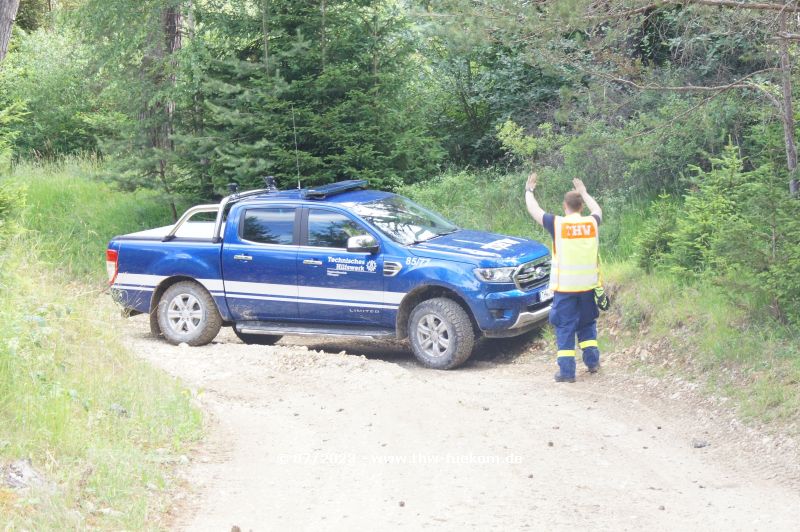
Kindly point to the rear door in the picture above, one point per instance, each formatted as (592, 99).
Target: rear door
(334, 284)
(259, 264)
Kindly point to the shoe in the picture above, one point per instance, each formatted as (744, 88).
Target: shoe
(594, 369)
(561, 378)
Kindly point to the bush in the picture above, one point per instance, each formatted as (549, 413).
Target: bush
(735, 227)
(9, 115)
(48, 72)
(654, 240)
(12, 201)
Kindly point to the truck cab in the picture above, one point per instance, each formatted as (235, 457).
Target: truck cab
(336, 260)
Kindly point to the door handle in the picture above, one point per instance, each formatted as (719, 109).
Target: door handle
(242, 257)
(313, 262)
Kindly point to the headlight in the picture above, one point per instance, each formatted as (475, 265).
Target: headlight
(495, 275)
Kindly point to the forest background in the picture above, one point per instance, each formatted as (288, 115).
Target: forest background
(115, 115)
(681, 109)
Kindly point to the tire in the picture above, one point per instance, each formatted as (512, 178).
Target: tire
(187, 314)
(257, 339)
(453, 337)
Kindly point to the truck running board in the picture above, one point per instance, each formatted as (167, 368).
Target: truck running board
(323, 329)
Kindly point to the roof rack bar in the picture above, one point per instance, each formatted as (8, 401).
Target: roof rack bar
(333, 189)
(233, 198)
(211, 207)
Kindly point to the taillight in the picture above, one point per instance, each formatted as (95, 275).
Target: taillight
(112, 256)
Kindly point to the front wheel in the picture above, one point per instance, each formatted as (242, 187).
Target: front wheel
(441, 333)
(187, 314)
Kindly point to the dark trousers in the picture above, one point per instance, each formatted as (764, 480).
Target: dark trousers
(575, 314)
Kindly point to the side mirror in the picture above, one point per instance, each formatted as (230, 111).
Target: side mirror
(362, 244)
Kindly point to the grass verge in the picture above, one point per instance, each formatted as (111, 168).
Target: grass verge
(699, 331)
(101, 426)
(75, 214)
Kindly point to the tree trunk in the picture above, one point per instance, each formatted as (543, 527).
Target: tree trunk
(172, 35)
(265, 31)
(163, 42)
(323, 37)
(8, 12)
(787, 116)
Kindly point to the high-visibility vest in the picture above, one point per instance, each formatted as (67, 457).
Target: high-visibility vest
(575, 246)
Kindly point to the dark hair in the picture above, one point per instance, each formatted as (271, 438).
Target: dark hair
(574, 201)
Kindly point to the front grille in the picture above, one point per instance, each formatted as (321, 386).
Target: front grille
(532, 274)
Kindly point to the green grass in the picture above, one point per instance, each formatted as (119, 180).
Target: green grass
(75, 214)
(730, 345)
(102, 425)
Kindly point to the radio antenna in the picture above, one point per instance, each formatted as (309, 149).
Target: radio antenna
(296, 156)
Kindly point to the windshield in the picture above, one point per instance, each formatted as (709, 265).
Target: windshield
(404, 221)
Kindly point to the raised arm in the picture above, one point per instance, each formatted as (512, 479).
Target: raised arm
(530, 200)
(591, 204)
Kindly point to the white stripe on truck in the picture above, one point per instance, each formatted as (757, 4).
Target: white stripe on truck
(273, 292)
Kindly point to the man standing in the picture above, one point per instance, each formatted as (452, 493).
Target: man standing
(574, 275)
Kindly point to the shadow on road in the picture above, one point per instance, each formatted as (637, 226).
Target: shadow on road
(488, 352)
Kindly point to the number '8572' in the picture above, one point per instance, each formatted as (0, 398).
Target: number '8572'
(416, 261)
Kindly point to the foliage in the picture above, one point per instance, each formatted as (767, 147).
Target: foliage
(48, 72)
(32, 14)
(737, 227)
(12, 201)
(654, 240)
(9, 116)
(475, 85)
(532, 147)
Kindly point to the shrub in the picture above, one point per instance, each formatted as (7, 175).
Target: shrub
(653, 242)
(12, 202)
(735, 227)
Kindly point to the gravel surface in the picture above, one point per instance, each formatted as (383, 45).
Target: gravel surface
(349, 435)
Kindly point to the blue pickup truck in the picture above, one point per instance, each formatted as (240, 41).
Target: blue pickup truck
(334, 260)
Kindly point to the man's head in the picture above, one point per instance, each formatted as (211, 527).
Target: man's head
(573, 202)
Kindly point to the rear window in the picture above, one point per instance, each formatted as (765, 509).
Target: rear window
(269, 226)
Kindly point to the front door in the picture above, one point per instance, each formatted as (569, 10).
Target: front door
(259, 264)
(336, 285)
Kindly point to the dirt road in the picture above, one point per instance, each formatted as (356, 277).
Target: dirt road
(311, 438)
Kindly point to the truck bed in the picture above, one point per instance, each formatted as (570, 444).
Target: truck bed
(193, 230)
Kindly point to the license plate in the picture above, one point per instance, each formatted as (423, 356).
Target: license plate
(545, 295)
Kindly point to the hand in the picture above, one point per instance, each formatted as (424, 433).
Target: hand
(580, 188)
(531, 183)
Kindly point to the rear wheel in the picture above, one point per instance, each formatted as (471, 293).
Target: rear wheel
(441, 333)
(187, 314)
(257, 339)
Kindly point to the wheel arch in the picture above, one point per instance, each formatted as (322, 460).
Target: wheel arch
(423, 293)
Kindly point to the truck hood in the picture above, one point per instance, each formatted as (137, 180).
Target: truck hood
(485, 250)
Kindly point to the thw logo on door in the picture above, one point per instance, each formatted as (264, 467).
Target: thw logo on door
(578, 230)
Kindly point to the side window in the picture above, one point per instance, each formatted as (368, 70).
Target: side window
(327, 229)
(269, 226)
